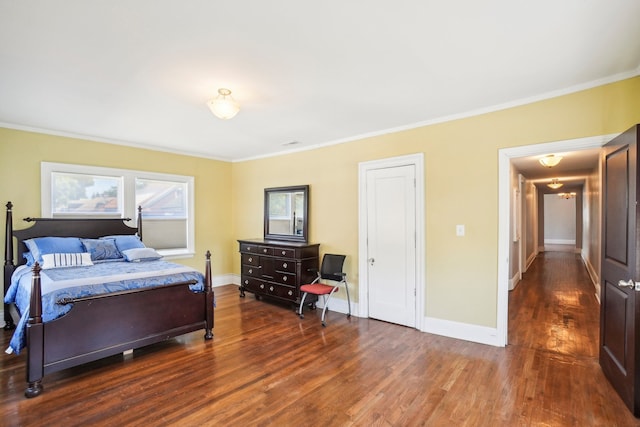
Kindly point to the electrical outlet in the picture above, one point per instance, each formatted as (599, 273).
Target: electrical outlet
(460, 230)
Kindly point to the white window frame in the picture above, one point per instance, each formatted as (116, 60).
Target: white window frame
(130, 210)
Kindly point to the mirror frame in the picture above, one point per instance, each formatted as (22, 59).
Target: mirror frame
(268, 235)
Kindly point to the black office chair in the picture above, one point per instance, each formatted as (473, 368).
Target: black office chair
(331, 269)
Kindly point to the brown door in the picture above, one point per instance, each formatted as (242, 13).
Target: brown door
(620, 302)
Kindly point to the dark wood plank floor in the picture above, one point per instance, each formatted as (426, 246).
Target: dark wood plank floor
(267, 367)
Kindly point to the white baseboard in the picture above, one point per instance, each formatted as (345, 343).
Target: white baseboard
(513, 282)
(447, 328)
(338, 305)
(559, 242)
(595, 280)
(225, 279)
(531, 259)
(462, 331)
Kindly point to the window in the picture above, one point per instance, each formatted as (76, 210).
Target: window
(167, 201)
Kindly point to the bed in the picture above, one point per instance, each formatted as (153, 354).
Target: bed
(123, 315)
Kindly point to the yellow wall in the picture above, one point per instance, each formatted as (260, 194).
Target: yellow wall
(21, 154)
(461, 187)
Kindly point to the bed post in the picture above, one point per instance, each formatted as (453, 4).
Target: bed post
(35, 338)
(8, 266)
(139, 222)
(209, 298)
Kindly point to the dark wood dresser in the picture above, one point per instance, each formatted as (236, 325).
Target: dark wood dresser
(277, 269)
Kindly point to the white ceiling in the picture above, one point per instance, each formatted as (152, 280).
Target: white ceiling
(572, 170)
(140, 72)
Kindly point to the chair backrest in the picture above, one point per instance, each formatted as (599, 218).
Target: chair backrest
(331, 268)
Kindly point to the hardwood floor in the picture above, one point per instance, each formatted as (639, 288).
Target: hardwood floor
(266, 366)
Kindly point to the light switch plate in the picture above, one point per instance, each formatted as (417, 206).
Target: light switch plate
(460, 230)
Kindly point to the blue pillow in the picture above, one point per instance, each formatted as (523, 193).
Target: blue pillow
(29, 257)
(126, 241)
(53, 245)
(101, 249)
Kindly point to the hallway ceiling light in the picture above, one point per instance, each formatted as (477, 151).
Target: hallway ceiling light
(555, 184)
(567, 195)
(550, 161)
(223, 106)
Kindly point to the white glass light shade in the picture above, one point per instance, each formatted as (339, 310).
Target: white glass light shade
(555, 184)
(567, 195)
(223, 106)
(550, 161)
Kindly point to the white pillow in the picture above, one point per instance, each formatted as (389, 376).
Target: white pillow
(141, 254)
(59, 260)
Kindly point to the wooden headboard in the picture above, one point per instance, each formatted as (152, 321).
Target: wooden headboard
(89, 228)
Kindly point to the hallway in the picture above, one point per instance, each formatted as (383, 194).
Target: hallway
(554, 307)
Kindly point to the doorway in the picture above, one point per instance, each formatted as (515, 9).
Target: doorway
(504, 214)
(391, 220)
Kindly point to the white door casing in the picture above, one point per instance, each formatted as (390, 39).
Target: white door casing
(393, 288)
(504, 218)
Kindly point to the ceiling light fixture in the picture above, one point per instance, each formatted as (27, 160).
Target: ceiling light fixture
(567, 195)
(555, 184)
(223, 106)
(550, 161)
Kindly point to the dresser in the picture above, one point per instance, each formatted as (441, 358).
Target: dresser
(277, 269)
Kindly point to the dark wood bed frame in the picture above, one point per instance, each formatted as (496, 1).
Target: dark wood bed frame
(103, 325)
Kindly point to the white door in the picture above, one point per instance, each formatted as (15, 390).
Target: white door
(391, 244)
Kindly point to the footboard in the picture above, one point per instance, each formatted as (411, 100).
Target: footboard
(104, 325)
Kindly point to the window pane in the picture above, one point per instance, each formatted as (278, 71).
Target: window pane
(164, 234)
(73, 193)
(279, 205)
(161, 199)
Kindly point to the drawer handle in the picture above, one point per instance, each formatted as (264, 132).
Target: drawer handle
(290, 293)
(248, 248)
(251, 271)
(271, 288)
(264, 250)
(284, 278)
(246, 282)
(284, 265)
(250, 259)
(262, 286)
(284, 252)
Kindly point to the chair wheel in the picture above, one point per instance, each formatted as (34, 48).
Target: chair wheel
(324, 324)
(301, 316)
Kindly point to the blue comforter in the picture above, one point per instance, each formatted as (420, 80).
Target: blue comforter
(75, 282)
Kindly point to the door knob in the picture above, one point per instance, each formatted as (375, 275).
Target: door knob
(371, 260)
(627, 284)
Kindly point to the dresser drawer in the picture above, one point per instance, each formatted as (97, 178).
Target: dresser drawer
(284, 265)
(250, 259)
(251, 270)
(284, 278)
(284, 253)
(248, 247)
(265, 250)
(256, 249)
(254, 285)
(280, 291)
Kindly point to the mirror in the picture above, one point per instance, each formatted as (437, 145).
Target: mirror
(286, 213)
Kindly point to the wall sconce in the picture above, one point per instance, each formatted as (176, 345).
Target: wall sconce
(223, 106)
(555, 184)
(550, 161)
